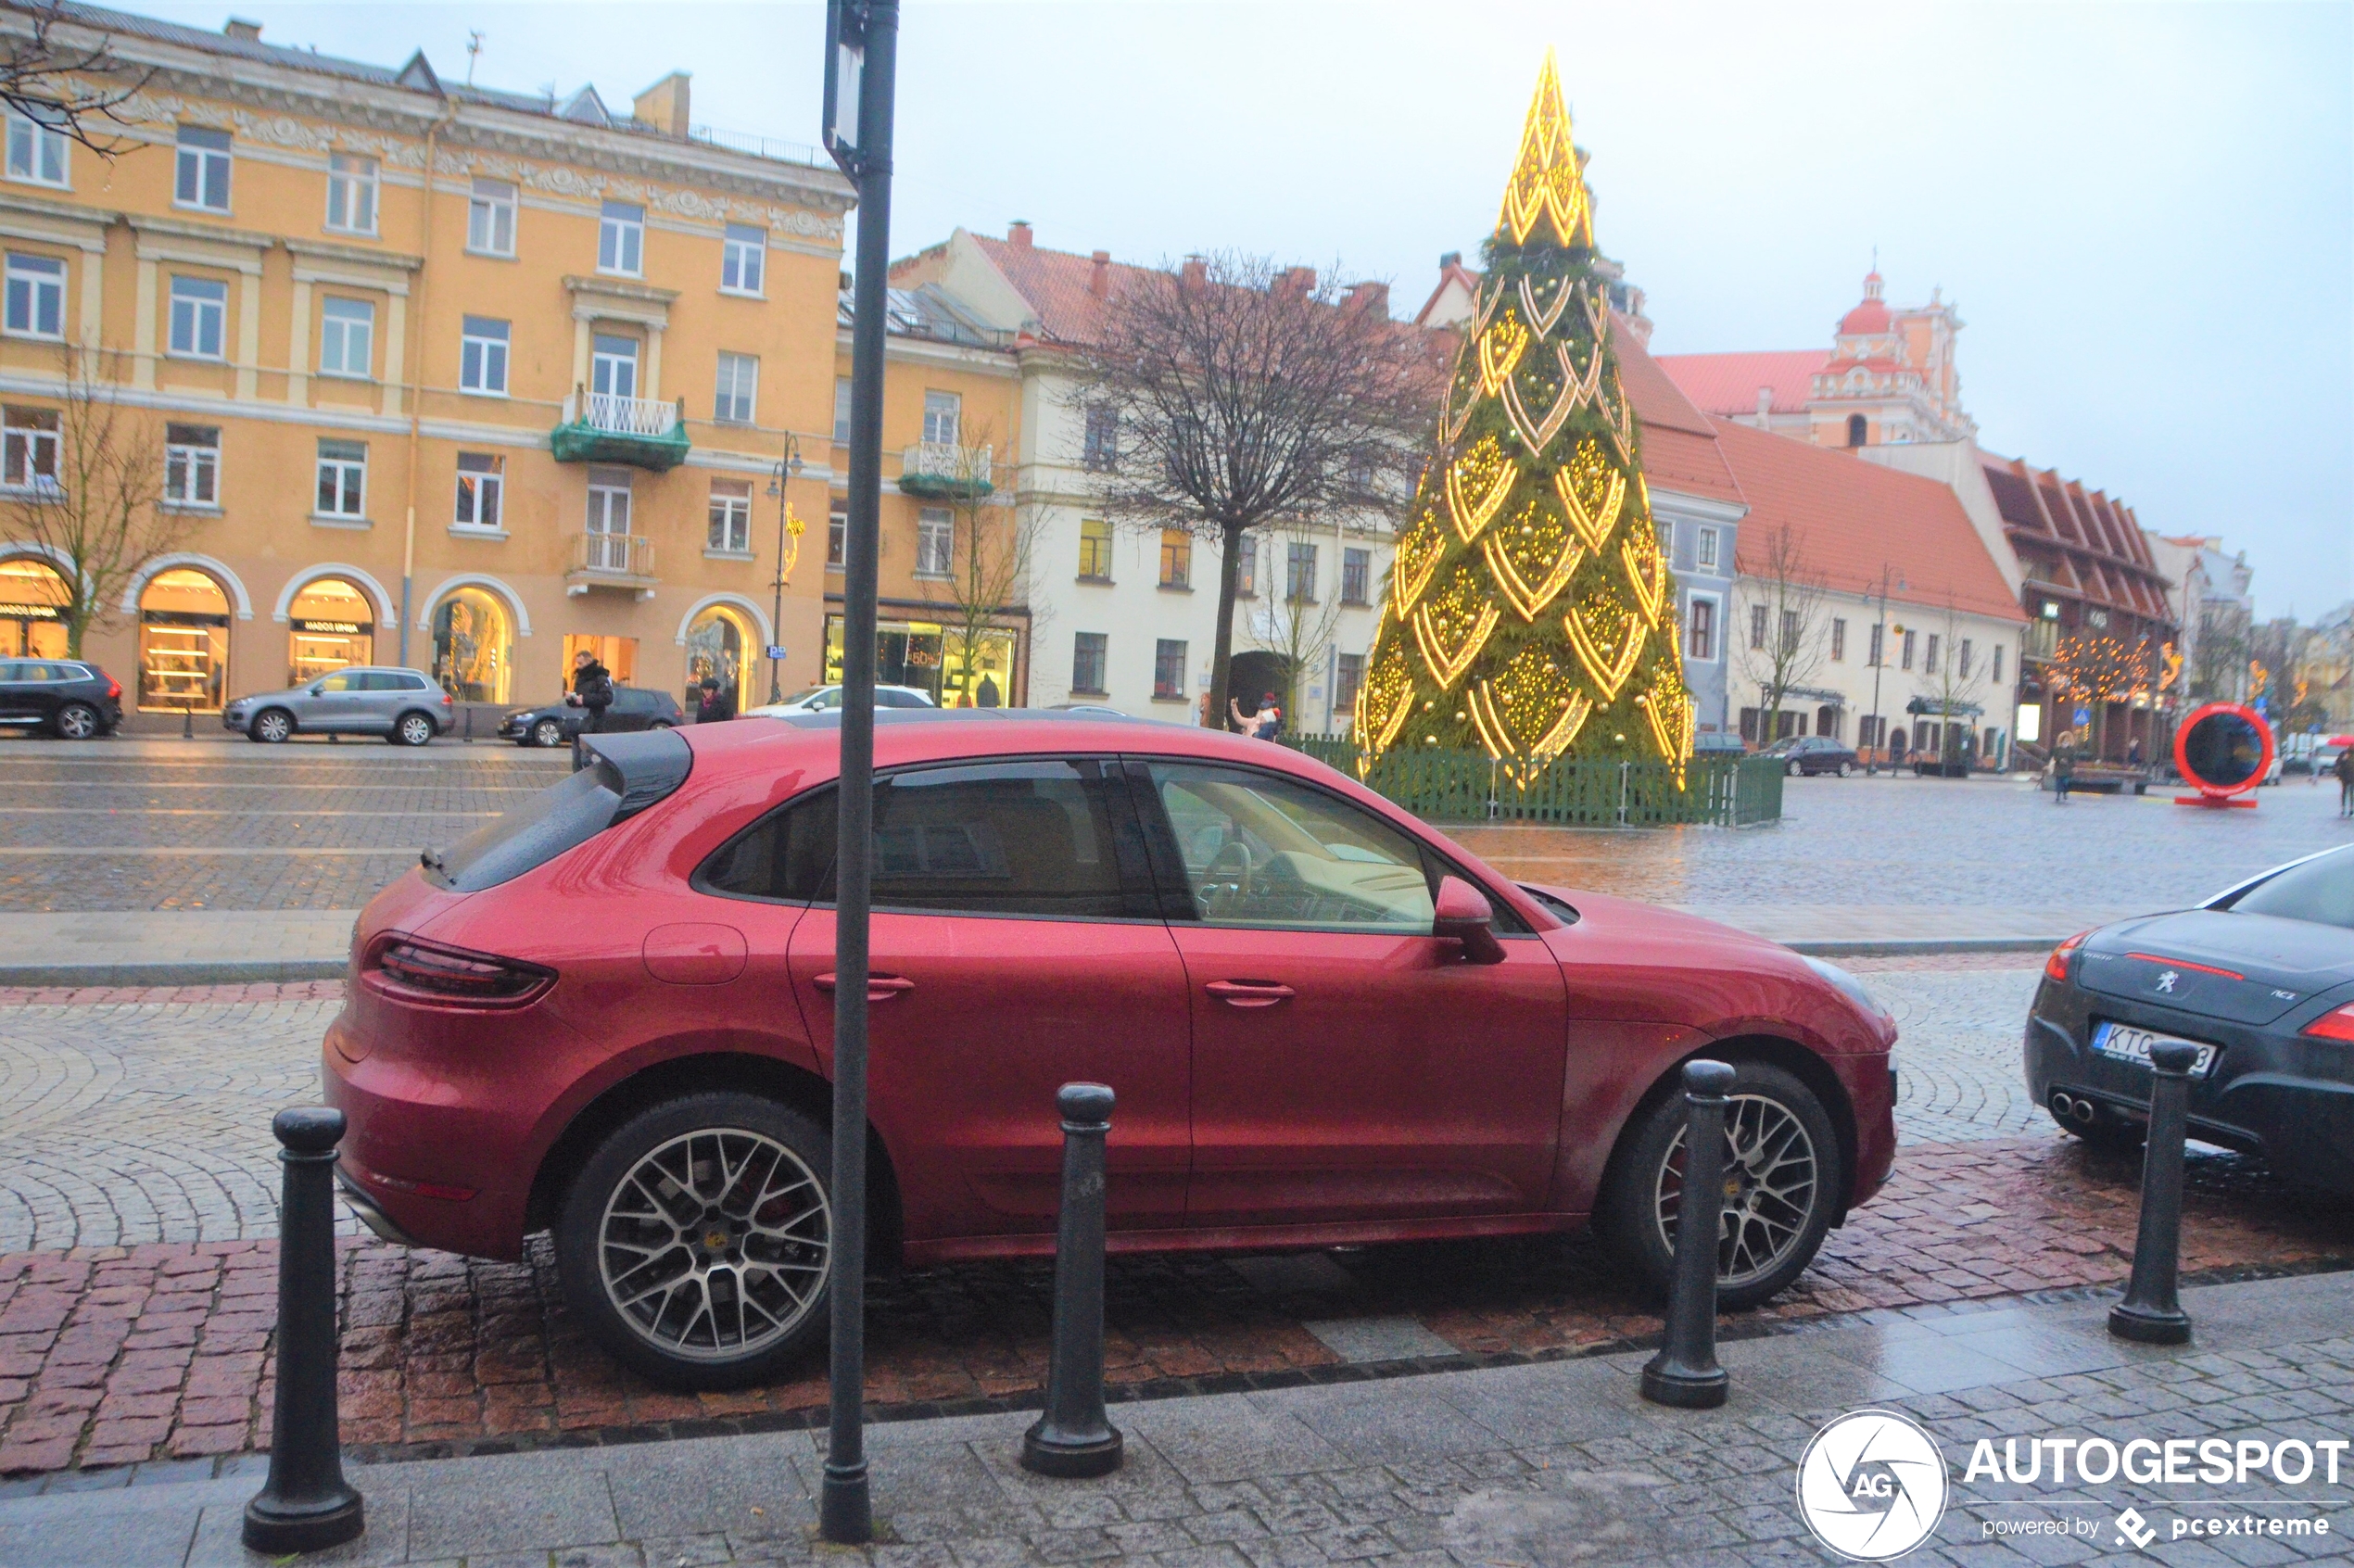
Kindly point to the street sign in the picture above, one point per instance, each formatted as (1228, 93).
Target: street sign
(2083, 717)
(775, 651)
(845, 76)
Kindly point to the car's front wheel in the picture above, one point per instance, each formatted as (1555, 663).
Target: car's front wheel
(546, 733)
(1783, 1175)
(413, 729)
(696, 1242)
(272, 725)
(78, 721)
(1795, 770)
(1845, 769)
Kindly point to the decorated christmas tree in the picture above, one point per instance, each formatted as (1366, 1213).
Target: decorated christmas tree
(1530, 613)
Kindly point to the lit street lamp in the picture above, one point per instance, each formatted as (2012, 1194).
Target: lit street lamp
(788, 467)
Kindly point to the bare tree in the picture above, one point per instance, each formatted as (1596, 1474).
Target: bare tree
(992, 539)
(1294, 620)
(1786, 649)
(84, 482)
(75, 85)
(2219, 659)
(1243, 393)
(1954, 680)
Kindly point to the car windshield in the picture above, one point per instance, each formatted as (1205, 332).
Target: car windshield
(2321, 890)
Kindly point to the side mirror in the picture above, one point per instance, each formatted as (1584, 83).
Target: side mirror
(1464, 914)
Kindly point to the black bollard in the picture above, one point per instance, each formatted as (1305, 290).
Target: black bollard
(1074, 1438)
(188, 722)
(470, 724)
(2152, 1313)
(306, 1505)
(1685, 1372)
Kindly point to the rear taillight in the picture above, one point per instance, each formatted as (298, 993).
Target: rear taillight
(2055, 967)
(114, 689)
(446, 700)
(451, 977)
(2336, 1024)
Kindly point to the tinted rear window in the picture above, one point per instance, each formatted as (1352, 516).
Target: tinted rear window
(2320, 890)
(534, 833)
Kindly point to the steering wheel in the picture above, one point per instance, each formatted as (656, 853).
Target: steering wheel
(1227, 881)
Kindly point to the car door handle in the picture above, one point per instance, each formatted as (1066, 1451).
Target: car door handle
(880, 988)
(1250, 993)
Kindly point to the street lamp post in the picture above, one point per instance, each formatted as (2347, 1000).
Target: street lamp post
(788, 467)
(1879, 663)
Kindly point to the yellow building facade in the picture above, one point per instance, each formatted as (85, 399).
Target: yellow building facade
(437, 376)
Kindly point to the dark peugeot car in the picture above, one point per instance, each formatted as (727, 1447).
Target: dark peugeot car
(1813, 753)
(70, 698)
(554, 724)
(2260, 978)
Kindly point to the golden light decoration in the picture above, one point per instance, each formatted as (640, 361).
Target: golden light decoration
(1548, 180)
(1477, 483)
(1668, 708)
(1453, 625)
(1501, 347)
(1537, 434)
(1419, 549)
(1608, 639)
(1533, 557)
(2172, 659)
(1384, 703)
(1647, 573)
(1527, 713)
(1591, 492)
(794, 527)
(1543, 318)
(2259, 678)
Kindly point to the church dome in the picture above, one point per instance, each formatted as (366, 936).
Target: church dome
(1871, 316)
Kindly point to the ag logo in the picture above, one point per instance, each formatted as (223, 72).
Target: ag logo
(1872, 1486)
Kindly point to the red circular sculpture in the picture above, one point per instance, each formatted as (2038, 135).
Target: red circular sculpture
(2228, 723)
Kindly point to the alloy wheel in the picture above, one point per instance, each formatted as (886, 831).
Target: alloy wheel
(715, 1244)
(416, 730)
(78, 722)
(273, 726)
(547, 732)
(1773, 1174)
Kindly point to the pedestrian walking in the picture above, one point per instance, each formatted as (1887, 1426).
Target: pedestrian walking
(2345, 771)
(2063, 770)
(591, 690)
(1261, 726)
(986, 695)
(716, 701)
(2134, 754)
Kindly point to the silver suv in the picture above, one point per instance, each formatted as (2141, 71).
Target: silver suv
(404, 706)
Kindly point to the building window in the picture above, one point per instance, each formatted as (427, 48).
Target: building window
(1705, 552)
(1904, 654)
(732, 516)
(613, 366)
(621, 238)
(36, 297)
(482, 357)
(29, 449)
(935, 541)
(1757, 626)
(1789, 631)
(1701, 642)
(346, 338)
(1928, 658)
(1962, 659)
(1356, 576)
(1246, 568)
(842, 410)
(482, 479)
(1087, 662)
(943, 412)
(1666, 537)
(1099, 449)
(1839, 641)
(1176, 558)
(1094, 550)
(1855, 430)
(203, 174)
(36, 152)
(609, 500)
(739, 387)
(1998, 663)
(1169, 668)
(343, 478)
(837, 538)
(1349, 679)
(1870, 731)
(192, 465)
(199, 309)
(351, 194)
(490, 219)
(1299, 573)
(1880, 634)
(742, 256)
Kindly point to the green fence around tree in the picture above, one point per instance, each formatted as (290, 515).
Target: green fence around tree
(1452, 786)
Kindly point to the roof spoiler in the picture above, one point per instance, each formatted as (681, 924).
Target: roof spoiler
(640, 767)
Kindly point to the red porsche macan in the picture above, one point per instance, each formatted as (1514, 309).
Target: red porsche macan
(609, 1014)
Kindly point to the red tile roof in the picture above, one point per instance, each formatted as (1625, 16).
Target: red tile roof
(1056, 285)
(1679, 441)
(1727, 383)
(1851, 517)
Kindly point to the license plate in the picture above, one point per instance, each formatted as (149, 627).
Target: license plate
(2123, 1044)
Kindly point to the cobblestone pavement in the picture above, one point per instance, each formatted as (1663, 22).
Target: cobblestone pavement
(1559, 1463)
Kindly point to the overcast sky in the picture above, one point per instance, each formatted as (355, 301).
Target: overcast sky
(2145, 213)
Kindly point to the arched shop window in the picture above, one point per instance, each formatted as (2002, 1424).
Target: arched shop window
(333, 624)
(32, 602)
(719, 644)
(474, 646)
(184, 642)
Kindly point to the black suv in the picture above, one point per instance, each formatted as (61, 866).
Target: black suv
(70, 698)
(633, 707)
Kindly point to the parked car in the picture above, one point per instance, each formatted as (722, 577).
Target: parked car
(404, 706)
(825, 698)
(72, 699)
(1090, 710)
(554, 724)
(1814, 753)
(1719, 743)
(609, 1014)
(2260, 977)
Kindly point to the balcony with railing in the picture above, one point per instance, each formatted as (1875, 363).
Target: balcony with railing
(945, 471)
(641, 432)
(623, 562)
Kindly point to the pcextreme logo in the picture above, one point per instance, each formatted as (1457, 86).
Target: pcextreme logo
(1872, 1486)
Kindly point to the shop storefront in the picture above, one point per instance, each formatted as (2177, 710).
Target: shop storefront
(933, 659)
(332, 623)
(473, 647)
(184, 642)
(722, 645)
(618, 655)
(32, 601)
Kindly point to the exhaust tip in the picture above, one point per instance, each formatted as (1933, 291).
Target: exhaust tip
(2062, 1106)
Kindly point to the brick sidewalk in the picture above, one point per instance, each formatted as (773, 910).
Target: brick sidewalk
(114, 1356)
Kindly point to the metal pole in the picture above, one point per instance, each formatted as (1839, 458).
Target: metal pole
(845, 1510)
(1879, 663)
(1685, 1372)
(1074, 1438)
(2152, 1313)
(777, 614)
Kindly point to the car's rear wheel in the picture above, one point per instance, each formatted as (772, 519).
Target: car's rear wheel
(548, 733)
(1845, 769)
(272, 725)
(1795, 770)
(78, 721)
(412, 729)
(1783, 1175)
(696, 1242)
(658, 724)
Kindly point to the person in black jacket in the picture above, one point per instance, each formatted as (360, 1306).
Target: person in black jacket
(592, 690)
(715, 703)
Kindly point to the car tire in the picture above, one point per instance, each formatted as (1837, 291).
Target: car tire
(548, 733)
(79, 721)
(1846, 770)
(653, 1215)
(413, 728)
(1796, 771)
(271, 726)
(658, 724)
(1770, 1116)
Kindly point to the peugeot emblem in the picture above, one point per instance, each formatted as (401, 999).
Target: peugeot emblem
(2166, 981)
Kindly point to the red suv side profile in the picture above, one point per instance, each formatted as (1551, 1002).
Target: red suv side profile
(609, 1014)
